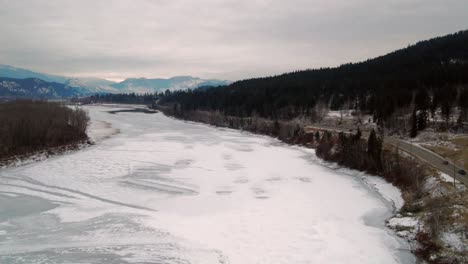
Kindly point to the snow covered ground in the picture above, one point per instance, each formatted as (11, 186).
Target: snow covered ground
(167, 191)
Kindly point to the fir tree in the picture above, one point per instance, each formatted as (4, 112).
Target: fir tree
(317, 136)
(414, 125)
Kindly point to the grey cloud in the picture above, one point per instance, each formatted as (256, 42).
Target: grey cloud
(212, 38)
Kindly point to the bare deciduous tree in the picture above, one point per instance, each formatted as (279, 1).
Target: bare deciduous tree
(27, 126)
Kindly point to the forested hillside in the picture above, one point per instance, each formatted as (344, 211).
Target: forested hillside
(421, 78)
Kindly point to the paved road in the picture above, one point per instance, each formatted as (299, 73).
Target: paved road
(430, 157)
(421, 153)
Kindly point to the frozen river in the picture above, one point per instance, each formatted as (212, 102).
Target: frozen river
(167, 191)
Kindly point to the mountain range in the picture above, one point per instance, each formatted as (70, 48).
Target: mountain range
(18, 82)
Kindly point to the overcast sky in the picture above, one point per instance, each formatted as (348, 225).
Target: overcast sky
(226, 39)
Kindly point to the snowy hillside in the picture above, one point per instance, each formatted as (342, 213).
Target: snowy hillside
(93, 85)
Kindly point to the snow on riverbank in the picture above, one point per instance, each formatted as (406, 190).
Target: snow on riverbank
(168, 191)
(387, 190)
(99, 130)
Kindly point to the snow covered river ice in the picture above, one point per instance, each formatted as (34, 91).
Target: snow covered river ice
(168, 191)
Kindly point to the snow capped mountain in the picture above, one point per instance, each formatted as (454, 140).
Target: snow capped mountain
(86, 86)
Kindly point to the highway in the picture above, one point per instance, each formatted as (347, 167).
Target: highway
(416, 151)
(429, 157)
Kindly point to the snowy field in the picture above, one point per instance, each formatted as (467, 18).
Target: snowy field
(166, 191)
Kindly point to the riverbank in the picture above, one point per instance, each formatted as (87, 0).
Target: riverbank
(43, 154)
(434, 217)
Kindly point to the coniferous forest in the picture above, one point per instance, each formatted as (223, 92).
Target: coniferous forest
(426, 77)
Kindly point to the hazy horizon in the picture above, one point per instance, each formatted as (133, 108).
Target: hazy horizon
(229, 40)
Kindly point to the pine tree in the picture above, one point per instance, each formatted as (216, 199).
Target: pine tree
(317, 136)
(358, 135)
(414, 126)
(374, 149)
(422, 120)
(276, 128)
(446, 110)
(371, 143)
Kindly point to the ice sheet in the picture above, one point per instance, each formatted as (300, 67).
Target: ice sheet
(167, 191)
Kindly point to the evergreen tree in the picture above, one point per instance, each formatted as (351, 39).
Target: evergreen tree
(276, 128)
(374, 149)
(358, 135)
(414, 125)
(371, 143)
(446, 110)
(422, 120)
(317, 136)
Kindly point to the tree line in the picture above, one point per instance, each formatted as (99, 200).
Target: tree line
(124, 98)
(27, 126)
